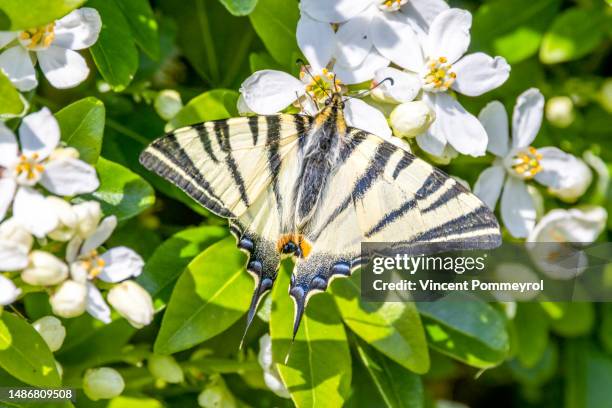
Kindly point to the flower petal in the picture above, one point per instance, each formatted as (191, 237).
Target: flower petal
(479, 73)
(30, 210)
(373, 62)
(8, 291)
(63, 68)
(404, 88)
(7, 192)
(353, 40)
(517, 208)
(96, 306)
(395, 39)
(316, 40)
(120, 263)
(449, 35)
(423, 12)
(100, 235)
(7, 36)
(489, 185)
(8, 147)
(333, 11)
(268, 91)
(12, 256)
(574, 225)
(362, 116)
(67, 177)
(17, 65)
(495, 121)
(433, 141)
(527, 117)
(79, 29)
(461, 129)
(39, 133)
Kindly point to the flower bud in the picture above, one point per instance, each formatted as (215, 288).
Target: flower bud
(132, 302)
(69, 300)
(560, 111)
(67, 219)
(102, 383)
(168, 103)
(392, 85)
(216, 395)
(11, 231)
(51, 330)
(88, 216)
(410, 119)
(165, 368)
(575, 184)
(8, 291)
(44, 269)
(271, 376)
(64, 153)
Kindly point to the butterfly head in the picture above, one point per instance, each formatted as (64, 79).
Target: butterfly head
(335, 100)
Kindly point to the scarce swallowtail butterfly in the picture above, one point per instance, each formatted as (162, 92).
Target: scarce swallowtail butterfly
(315, 189)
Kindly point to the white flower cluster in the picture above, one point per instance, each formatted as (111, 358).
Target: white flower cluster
(35, 227)
(54, 47)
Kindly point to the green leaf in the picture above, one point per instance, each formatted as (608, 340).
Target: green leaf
(24, 354)
(318, 369)
(263, 60)
(18, 15)
(275, 21)
(512, 29)
(577, 319)
(172, 257)
(121, 193)
(82, 127)
(211, 105)
(139, 16)
(115, 52)
(469, 331)
(392, 328)
(239, 7)
(587, 375)
(398, 387)
(10, 101)
(605, 329)
(531, 327)
(210, 296)
(539, 373)
(573, 34)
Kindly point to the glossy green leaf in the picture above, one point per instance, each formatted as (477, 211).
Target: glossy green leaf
(531, 328)
(573, 34)
(10, 101)
(115, 52)
(141, 20)
(24, 354)
(275, 22)
(211, 105)
(318, 369)
(122, 192)
(239, 7)
(398, 387)
(392, 328)
(263, 60)
(469, 331)
(587, 375)
(210, 296)
(82, 127)
(18, 15)
(577, 319)
(512, 29)
(172, 257)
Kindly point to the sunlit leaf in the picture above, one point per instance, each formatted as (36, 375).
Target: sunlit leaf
(211, 105)
(139, 16)
(239, 7)
(82, 127)
(10, 102)
(19, 15)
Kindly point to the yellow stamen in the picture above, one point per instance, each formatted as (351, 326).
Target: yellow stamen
(40, 37)
(439, 76)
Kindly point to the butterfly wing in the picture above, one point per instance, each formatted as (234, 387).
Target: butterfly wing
(238, 168)
(383, 193)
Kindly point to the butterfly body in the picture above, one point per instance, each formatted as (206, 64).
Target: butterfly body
(314, 189)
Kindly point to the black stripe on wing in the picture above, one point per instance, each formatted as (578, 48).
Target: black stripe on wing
(222, 132)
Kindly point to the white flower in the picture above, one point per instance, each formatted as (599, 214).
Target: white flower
(66, 219)
(102, 383)
(15, 245)
(165, 368)
(53, 46)
(560, 111)
(438, 66)
(44, 269)
(22, 168)
(547, 243)
(69, 300)
(8, 291)
(271, 376)
(517, 162)
(87, 264)
(269, 91)
(168, 103)
(132, 302)
(88, 216)
(575, 183)
(370, 33)
(410, 119)
(51, 330)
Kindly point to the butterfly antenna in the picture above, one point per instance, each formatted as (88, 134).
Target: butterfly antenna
(368, 91)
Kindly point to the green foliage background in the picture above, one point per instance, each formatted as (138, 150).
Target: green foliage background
(348, 352)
